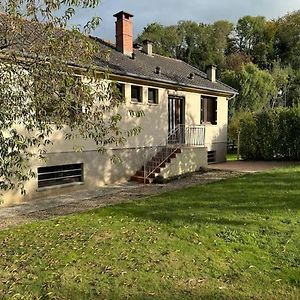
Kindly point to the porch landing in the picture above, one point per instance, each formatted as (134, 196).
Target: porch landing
(250, 166)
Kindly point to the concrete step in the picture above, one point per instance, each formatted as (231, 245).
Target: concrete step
(141, 179)
(156, 163)
(152, 166)
(161, 158)
(141, 174)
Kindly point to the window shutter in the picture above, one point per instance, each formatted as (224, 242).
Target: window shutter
(209, 110)
(215, 112)
(202, 110)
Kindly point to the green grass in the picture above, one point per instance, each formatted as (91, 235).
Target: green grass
(235, 239)
(231, 157)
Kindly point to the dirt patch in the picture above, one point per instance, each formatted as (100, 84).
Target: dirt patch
(123, 195)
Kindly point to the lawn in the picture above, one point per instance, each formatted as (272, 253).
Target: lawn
(235, 239)
(231, 156)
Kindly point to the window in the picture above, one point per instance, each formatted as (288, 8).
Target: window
(209, 110)
(121, 89)
(75, 109)
(153, 96)
(59, 175)
(136, 93)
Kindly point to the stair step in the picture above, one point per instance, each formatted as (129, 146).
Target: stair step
(156, 164)
(141, 179)
(157, 170)
(153, 164)
(141, 174)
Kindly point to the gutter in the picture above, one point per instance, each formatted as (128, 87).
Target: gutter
(234, 93)
(232, 97)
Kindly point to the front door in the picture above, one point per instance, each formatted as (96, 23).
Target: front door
(176, 116)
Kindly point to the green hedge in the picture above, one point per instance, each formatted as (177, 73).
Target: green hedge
(271, 135)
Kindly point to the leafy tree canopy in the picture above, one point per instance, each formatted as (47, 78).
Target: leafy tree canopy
(196, 43)
(256, 87)
(48, 82)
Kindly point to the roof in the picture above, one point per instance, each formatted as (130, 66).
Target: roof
(172, 71)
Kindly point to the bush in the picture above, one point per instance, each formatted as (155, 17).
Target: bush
(271, 135)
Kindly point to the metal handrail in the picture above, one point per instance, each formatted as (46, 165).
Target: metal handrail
(163, 143)
(184, 135)
(160, 163)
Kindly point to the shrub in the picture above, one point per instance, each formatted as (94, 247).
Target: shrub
(271, 135)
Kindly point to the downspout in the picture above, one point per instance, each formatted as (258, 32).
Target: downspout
(238, 141)
(232, 97)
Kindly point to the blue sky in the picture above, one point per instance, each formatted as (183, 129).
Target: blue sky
(171, 11)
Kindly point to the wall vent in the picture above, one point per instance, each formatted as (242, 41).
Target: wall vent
(211, 156)
(59, 175)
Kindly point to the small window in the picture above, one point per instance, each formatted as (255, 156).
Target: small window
(121, 89)
(136, 93)
(209, 110)
(59, 175)
(75, 109)
(153, 96)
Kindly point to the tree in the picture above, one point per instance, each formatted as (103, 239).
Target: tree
(48, 82)
(256, 88)
(283, 78)
(165, 39)
(287, 41)
(291, 91)
(236, 61)
(197, 44)
(255, 37)
(249, 32)
(221, 35)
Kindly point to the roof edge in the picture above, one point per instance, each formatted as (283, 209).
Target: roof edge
(234, 92)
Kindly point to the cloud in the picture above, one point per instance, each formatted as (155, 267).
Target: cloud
(171, 11)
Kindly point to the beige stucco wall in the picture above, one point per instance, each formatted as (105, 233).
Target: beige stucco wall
(216, 135)
(98, 168)
(155, 122)
(191, 159)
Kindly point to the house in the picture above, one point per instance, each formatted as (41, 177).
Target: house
(183, 128)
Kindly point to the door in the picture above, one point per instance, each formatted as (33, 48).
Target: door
(176, 118)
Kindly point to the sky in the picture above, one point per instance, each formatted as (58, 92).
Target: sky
(169, 12)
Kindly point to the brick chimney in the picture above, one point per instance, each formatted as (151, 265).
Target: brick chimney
(124, 33)
(211, 73)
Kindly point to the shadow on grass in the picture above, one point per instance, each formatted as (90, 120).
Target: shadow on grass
(236, 201)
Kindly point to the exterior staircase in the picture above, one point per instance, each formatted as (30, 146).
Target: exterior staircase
(154, 166)
(158, 157)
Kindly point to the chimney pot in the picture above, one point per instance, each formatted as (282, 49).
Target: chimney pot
(191, 76)
(147, 47)
(211, 73)
(124, 32)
